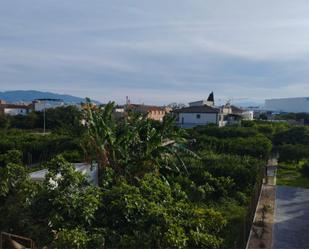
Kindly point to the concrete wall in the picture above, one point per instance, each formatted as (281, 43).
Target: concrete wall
(287, 105)
(188, 120)
(202, 103)
(41, 105)
(248, 115)
(15, 111)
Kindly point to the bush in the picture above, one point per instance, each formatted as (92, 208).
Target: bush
(240, 141)
(293, 152)
(305, 169)
(242, 170)
(71, 239)
(72, 156)
(295, 135)
(38, 147)
(152, 215)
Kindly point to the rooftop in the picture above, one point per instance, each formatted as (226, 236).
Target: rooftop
(197, 109)
(236, 110)
(147, 107)
(15, 106)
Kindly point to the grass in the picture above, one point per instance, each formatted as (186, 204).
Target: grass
(289, 175)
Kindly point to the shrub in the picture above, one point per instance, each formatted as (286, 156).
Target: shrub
(293, 152)
(305, 169)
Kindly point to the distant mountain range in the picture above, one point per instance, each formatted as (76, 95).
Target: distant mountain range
(246, 104)
(29, 95)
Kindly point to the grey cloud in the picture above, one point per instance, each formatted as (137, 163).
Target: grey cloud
(161, 50)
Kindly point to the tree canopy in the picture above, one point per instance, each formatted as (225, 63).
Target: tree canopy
(160, 186)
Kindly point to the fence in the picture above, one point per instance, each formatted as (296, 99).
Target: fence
(248, 219)
(12, 241)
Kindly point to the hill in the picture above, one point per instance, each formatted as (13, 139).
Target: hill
(29, 95)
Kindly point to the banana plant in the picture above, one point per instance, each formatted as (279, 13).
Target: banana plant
(133, 145)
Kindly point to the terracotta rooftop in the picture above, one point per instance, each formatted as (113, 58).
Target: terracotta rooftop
(147, 107)
(15, 106)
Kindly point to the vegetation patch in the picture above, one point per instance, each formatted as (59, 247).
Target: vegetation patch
(289, 174)
(159, 186)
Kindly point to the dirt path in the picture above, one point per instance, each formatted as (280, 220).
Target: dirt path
(261, 232)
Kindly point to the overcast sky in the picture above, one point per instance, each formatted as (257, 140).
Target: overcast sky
(156, 51)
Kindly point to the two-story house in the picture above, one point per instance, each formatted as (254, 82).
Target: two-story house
(191, 116)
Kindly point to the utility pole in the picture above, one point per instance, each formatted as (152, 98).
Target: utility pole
(44, 128)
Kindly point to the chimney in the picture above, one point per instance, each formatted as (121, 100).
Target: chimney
(211, 99)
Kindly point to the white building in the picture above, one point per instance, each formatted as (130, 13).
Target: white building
(210, 101)
(14, 109)
(41, 104)
(201, 103)
(91, 173)
(204, 112)
(248, 115)
(196, 115)
(288, 105)
(232, 115)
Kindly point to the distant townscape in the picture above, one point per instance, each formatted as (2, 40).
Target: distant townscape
(196, 113)
(77, 174)
(179, 124)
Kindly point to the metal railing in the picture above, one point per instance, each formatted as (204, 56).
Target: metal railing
(251, 209)
(12, 241)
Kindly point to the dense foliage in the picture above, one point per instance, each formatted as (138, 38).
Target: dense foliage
(159, 187)
(39, 147)
(293, 144)
(294, 116)
(62, 119)
(305, 168)
(240, 141)
(63, 136)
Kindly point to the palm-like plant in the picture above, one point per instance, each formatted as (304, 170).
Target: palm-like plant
(134, 145)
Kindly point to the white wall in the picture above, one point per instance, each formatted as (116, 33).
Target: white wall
(201, 103)
(15, 111)
(248, 115)
(190, 119)
(287, 105)
(90, 172)
(41, 105)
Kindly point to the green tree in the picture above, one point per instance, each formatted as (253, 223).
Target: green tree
(305, 168)
(293, 152)
(11, 156)
(29, 121)
(4, 122)
(64, 119)
(294, 135)
(134, 146)
(64, 202)
(154, 214)
(263, 116)
(16, 191)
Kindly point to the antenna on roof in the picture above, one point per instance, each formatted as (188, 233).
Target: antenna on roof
(127, 100)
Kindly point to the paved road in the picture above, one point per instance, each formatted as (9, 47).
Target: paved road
(291, 228)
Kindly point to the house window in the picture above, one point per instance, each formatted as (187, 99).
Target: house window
(198, 116)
